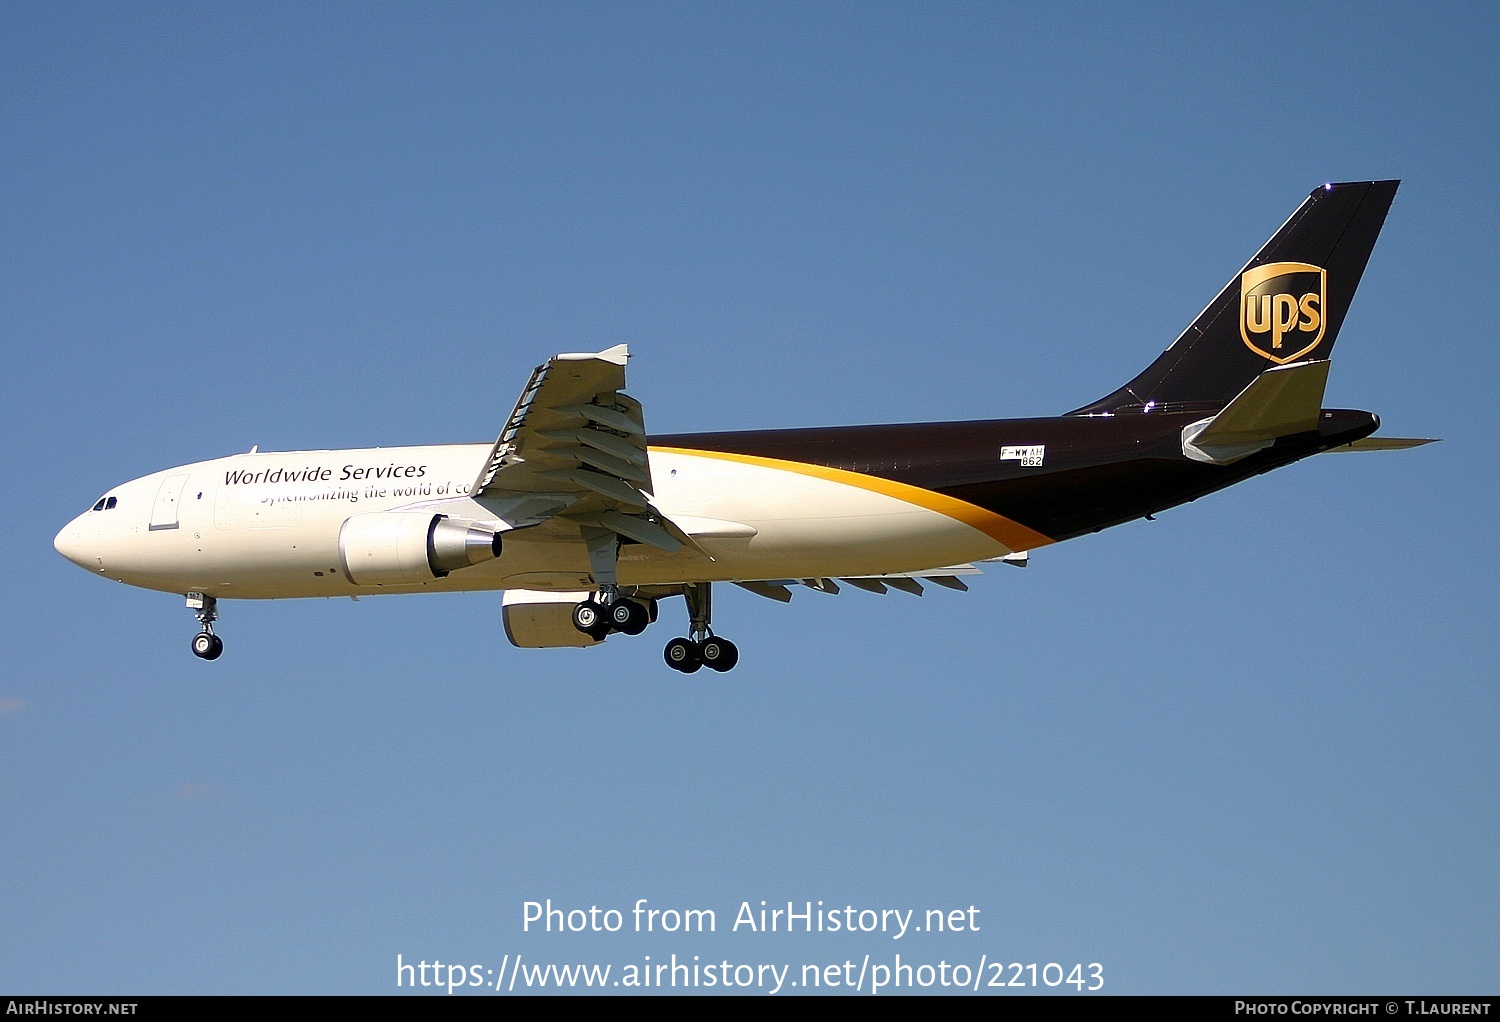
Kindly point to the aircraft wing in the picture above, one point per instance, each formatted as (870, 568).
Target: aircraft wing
(575, 447)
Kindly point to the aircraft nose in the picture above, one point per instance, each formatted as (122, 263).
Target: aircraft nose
(72, 544)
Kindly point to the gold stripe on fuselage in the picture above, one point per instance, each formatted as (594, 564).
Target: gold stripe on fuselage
(1015, 536)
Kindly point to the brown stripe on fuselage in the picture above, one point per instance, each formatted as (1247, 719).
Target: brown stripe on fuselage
(1098, 470)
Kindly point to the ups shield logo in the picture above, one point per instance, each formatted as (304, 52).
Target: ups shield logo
(1281, 309)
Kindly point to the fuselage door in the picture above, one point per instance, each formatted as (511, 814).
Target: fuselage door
(164, 513)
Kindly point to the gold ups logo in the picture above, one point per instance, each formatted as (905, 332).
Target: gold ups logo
(1281, 309)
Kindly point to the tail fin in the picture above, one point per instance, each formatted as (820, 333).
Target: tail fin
(1285, 306)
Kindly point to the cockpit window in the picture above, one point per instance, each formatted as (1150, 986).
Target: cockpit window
(109, 505)
(99, 506)
(105, 504)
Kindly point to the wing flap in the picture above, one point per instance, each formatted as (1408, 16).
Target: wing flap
(607, 486)
(947, 577)
(607, 443)
(612, 466)
(635, 527)
(770, 590)
(611, 418)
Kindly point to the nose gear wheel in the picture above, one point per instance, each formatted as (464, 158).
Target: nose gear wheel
(206, 645)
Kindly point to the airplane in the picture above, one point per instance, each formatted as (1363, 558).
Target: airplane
(586, 522)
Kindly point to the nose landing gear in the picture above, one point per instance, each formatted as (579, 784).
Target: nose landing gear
(206, 645)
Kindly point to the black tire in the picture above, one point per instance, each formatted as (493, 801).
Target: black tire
(207, 647)
(683, 655)
(587, 617)
(719, 654)
(629, 617)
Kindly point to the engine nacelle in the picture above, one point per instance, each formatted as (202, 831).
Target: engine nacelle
(538, 620)
(399, 548)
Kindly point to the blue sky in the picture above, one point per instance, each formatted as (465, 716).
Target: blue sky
(1248, 747)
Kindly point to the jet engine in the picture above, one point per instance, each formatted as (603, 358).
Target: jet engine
(539, 620)
(397, 548)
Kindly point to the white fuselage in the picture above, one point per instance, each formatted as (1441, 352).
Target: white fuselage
(267, 525)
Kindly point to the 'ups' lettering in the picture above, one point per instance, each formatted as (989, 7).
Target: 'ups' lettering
(1286, 318)
(1282, 303)
(1258, 324)
(1312, 319)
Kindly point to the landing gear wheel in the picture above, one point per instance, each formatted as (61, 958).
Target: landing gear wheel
(207, 646)
(718, 654)
(683, 655)
(629, 617)
(588, 617)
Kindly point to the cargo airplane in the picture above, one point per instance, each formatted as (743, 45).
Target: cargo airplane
(586, 521)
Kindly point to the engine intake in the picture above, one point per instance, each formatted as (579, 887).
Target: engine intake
(395, 548)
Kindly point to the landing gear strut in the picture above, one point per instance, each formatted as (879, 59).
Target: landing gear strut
(607, 611)
(703, 648)
(206, 645)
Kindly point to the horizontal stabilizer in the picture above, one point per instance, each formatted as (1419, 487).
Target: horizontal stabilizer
(1382, 443)
(1282, 401)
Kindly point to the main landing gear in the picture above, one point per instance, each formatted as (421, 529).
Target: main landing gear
(206, 645)
(607, 611)
(703, 648)
(687, 656)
